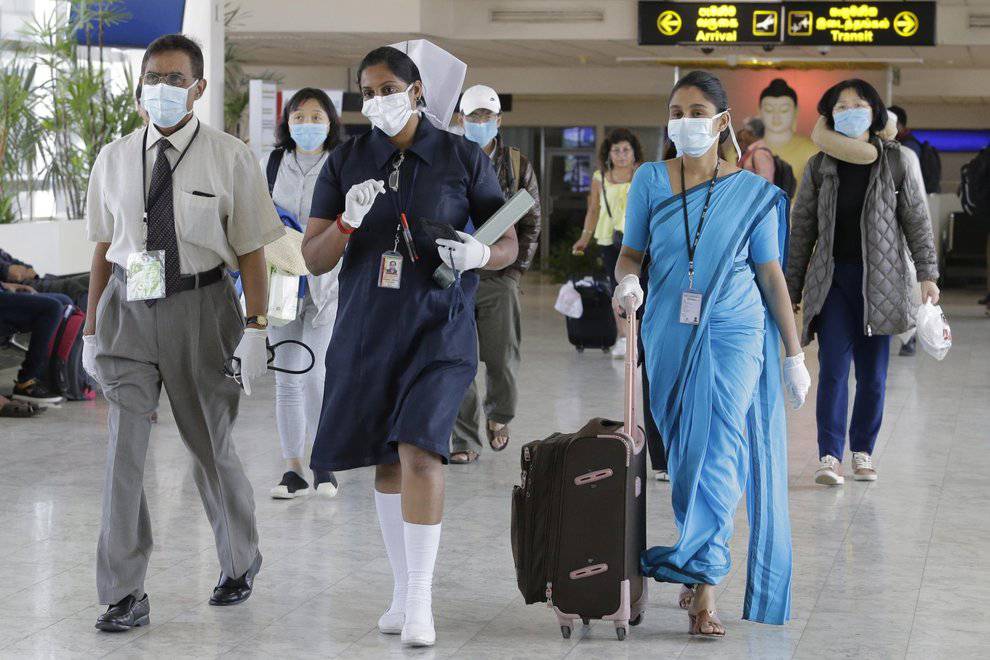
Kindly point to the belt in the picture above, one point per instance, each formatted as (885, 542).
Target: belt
(186, 282)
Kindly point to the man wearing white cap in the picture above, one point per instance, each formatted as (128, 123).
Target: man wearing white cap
(497, 301)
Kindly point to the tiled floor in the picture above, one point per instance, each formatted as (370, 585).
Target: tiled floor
(894, 569)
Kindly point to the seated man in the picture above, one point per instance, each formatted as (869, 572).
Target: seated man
(22, 310)
(14, 271)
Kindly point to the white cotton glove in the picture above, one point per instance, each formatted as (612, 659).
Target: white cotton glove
(629, 287)
(252, 351)
(469, 255)
(797, 380)
(359, 199)
(89, 356)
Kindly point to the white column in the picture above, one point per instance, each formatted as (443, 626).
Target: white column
(203, 21)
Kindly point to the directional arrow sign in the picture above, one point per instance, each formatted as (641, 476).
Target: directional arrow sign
(669, 23)
(906, 24)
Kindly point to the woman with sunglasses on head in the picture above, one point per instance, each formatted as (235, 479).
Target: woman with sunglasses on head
(404, 349)
(619, 156)
(715, 319)
(306, 133)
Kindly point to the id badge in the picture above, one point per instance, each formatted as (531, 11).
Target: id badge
(146, 275)
(390, 271)
(691, 307)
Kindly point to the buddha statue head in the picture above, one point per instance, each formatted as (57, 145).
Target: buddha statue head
(778, 110)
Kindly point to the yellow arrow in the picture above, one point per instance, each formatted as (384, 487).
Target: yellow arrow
(906, 23)
(669, 23)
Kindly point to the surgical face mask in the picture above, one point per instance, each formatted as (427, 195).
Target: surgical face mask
(309, 137)
(166, 105)
(482, 133)
(693, 136)
(388, 113)
(853, 123)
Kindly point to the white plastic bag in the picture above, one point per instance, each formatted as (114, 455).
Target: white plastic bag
(934, 333)
(569, 301)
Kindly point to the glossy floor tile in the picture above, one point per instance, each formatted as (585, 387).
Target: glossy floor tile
(894, 569)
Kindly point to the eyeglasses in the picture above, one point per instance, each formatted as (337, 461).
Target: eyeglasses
(172, 79)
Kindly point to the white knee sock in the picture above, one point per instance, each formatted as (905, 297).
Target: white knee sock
(422, 543)
(390, 519)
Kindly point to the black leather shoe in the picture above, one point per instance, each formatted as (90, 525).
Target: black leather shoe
(231, 591)
(126, 614)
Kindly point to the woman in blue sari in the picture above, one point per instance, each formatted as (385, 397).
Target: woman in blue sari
(717, 312)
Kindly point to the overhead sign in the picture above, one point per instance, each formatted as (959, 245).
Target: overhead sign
(669, 23)
(787, 23)
(860, 23)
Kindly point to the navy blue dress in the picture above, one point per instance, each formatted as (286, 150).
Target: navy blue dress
(399, 363)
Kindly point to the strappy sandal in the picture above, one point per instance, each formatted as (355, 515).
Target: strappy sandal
(685, 598)
(469, 456)
(706, 624)
(498, 439)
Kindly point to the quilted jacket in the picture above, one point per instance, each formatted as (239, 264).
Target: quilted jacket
(894, 224)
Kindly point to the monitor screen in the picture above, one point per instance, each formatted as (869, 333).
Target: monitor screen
(953, 140)
(147, 22)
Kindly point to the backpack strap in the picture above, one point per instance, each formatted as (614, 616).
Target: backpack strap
(515, 161)
(271, 172)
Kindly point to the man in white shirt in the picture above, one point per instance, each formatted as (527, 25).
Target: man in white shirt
(170, 207)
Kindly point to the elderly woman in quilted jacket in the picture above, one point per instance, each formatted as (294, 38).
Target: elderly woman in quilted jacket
(853, 227)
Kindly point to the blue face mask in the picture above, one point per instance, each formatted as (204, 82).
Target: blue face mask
(166, 105)
(853, 123)
(481, 133)
(309, 137)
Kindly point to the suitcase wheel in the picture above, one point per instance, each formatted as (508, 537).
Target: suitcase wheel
(638, 620)
(565, 632)
(586, 622)
(621, 633)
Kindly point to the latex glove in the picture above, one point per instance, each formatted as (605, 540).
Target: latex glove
(797, 380)
(629, 287)
(89, 356)
(252, 351)
(358, 201)
(469, 255)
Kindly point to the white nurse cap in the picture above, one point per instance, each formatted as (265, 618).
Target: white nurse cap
(443, 76)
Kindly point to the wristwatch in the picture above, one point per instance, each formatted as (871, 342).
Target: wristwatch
(257, 320)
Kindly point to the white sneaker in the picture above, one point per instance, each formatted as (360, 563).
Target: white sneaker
(619, 350)
(829, 472)
(661, 475)
(863, 469)
(419, 634)
(391, 623)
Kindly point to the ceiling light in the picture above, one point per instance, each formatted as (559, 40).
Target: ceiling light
(547, 16)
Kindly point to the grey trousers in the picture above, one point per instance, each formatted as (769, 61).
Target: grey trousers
(181, 342)
(499, 336)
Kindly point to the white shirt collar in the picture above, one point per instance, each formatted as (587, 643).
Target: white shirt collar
(179, 140)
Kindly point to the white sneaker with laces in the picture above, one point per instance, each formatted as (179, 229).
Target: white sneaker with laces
(863, 469)
(829, 472)
(619, 350)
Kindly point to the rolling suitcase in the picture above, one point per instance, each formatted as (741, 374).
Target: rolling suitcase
(596, 327)
(579, 519)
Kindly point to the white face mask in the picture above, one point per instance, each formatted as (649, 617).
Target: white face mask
(693, 136)
(388, 113)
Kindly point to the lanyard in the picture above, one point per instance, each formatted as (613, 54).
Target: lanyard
(692, 248)
(402, 224)
(144, 167)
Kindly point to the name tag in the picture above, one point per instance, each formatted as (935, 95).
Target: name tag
(146, 275)
(390, 271)
(691, 307)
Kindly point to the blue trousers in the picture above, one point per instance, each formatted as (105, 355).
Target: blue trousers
(842, 341)
(40, 314)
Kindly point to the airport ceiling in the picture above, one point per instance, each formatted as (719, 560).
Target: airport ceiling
(346, 49)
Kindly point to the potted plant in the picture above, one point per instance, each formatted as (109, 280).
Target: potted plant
(19, 131)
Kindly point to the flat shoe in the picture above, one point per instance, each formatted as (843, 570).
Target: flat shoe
(706, 624)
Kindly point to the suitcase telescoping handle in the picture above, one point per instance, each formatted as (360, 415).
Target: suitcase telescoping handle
(632, 364)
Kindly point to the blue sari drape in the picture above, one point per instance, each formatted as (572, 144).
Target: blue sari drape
(716, 387)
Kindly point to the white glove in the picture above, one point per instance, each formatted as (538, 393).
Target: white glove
(359, 199)
(89, 356)
(252, 351)
(797, 380)
(469, 255)
(629, 287)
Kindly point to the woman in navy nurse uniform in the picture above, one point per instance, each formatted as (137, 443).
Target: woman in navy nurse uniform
(404, 350)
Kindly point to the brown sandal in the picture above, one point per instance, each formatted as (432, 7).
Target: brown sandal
(706, 624)
(686, 596)
(498, 439)
(469, 456)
